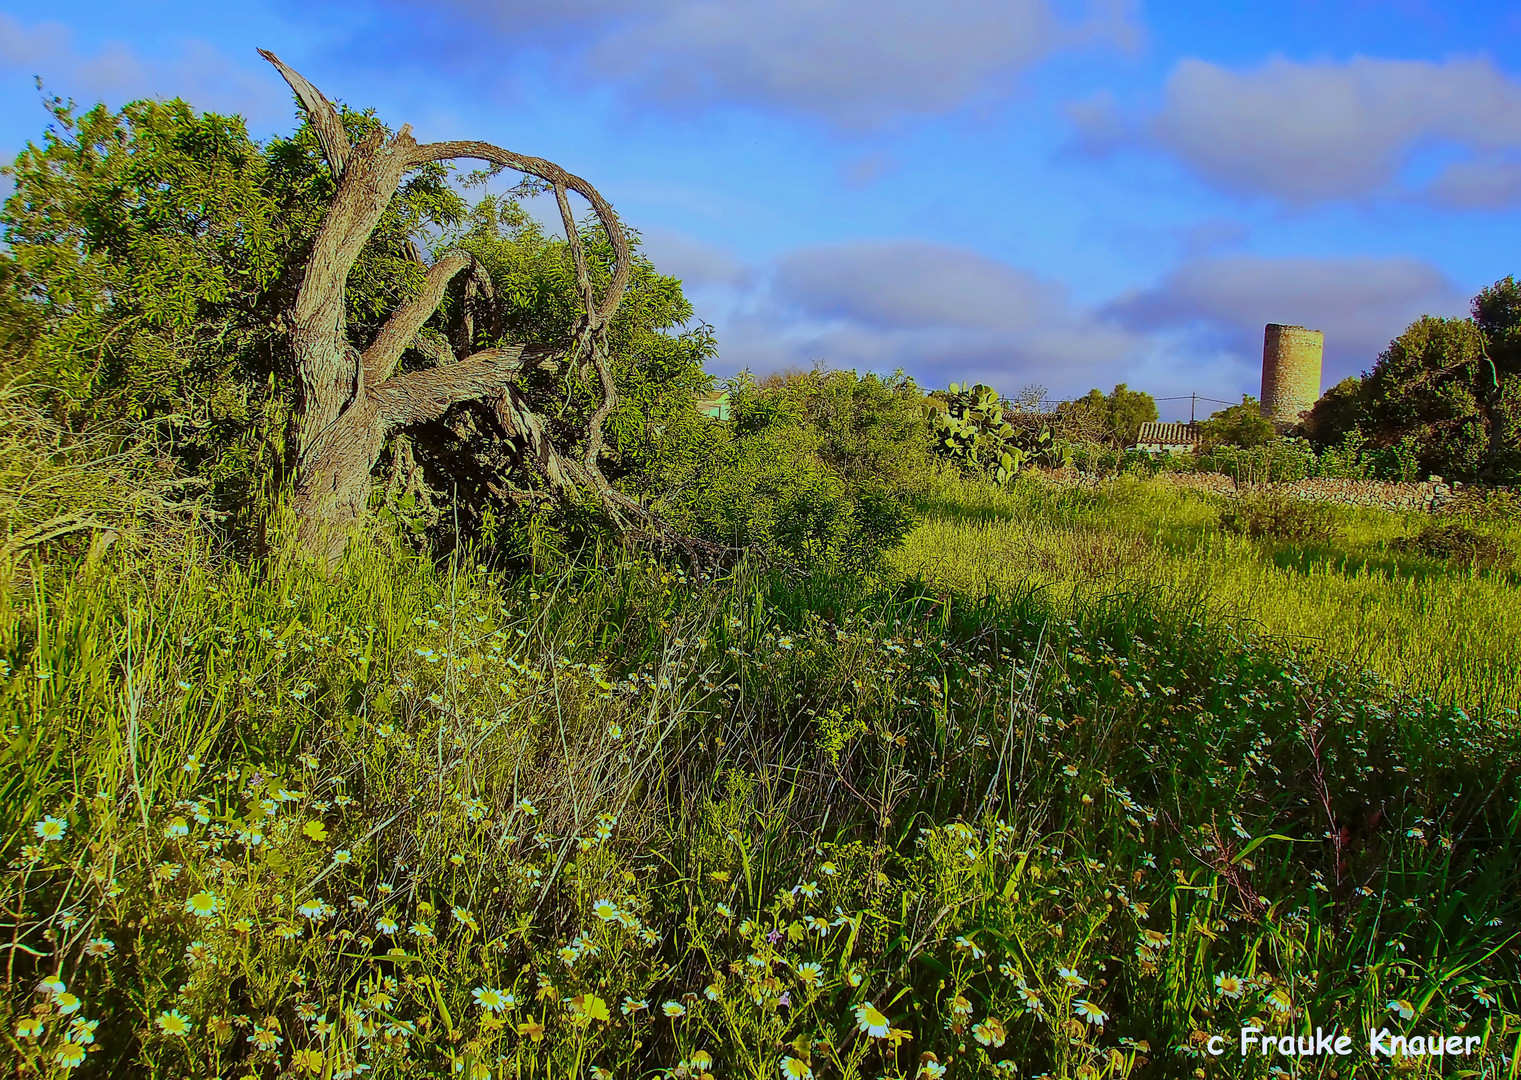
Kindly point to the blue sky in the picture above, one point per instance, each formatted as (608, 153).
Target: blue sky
(1072, 193)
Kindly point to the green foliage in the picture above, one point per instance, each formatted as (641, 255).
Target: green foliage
(1115, 418)
(1275, 461)
(1241, 425)
(269, 822)
(1444, 397)
(1273, 515)
(969, 427)
(1453, 542)
(818, 468)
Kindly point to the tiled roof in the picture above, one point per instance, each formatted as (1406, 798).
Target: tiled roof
(1167, 434)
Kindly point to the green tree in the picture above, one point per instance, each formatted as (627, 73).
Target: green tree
(1115, 418)
(1239, 425)
(1446, 391)
(155, 256)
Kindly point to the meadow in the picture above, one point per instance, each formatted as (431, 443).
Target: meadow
(1427, 625)
(1000, 810)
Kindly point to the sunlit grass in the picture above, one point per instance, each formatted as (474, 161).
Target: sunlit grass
(630, 821)
(1452, 632)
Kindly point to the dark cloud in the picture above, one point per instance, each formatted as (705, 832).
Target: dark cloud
(1359, 303)
(853, 62)
(1492, 183)
(940, 313)
(698, 264)
(908, 284)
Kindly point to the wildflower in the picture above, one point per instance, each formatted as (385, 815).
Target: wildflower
(51, 985)
(67, 1003)
(961, 1006)
(204, 904)
(30, 1028)
(82, 1031)
(242, 926)
(870, 1020)
(99, 947)
(599, 1073)
(1482, 996)
(989, 1032)
(307, 1060)
(795, 1069)
(1087, 1010)
(177, 827)
(605, 910)
(809, 972)
(70, 1055)
(421, 930)
(963, 945)
(288, 931)
(674, 1008)
(809, 889)
(1403, 1007)
(930, 1069)
(724, 910)
(50, 828)
(830, 869)
(630, 1006)
(173, 1022)
(198, 953)
(527, 807)
(265, 1039)
(1229, 985)
(532, 1029)
(315, 831)
(343, 856)
(1071, 977)
(492, 1000)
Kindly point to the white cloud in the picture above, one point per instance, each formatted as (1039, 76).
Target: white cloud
(197, 72)
(1306, 132)
(853, 62)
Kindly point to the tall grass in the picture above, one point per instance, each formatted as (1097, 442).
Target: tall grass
(622, 820)
(1453, 632)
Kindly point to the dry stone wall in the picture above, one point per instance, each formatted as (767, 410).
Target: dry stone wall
(1428, 495)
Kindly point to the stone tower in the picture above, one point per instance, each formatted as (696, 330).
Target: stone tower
(1290, 371)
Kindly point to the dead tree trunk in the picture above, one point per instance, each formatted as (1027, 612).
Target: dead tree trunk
(349, 402)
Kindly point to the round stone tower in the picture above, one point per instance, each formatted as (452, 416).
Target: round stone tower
(1290, 371)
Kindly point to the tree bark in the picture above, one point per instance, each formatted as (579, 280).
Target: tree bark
(349, 403)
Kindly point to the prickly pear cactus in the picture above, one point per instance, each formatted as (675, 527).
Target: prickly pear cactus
(968, 426)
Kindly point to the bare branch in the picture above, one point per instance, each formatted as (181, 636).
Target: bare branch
(547, 170)
(577, 255)
(401, 328)
(419, 396)
(324, 118)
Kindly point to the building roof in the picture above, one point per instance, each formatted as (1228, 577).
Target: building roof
(1156, 433)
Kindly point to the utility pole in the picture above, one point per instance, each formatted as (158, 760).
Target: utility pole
(1192, 401)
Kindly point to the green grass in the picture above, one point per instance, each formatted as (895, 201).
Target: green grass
(1428, 627)
(311, 817)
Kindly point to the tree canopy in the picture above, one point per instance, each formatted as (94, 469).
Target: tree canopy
(1450, 387)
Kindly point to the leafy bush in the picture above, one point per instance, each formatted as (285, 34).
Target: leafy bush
(819, 469)
(969, 427)
(1273, 515)
(1456, 543)
(1277, 461)
(1239, 425)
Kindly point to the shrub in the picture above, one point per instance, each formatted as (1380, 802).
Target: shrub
(1456, 543)
(1276, 516)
